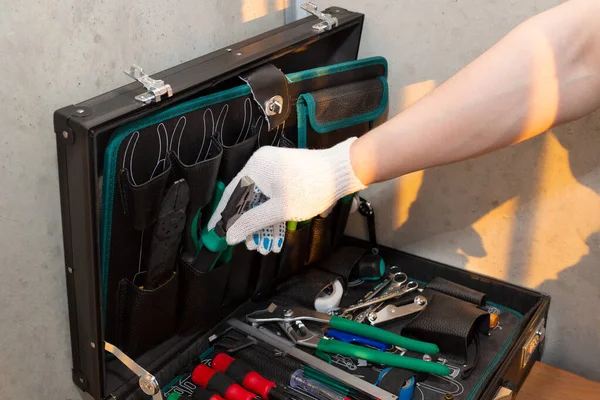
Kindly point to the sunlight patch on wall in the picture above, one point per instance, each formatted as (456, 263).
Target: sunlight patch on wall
(410, 94)
(556, 236)
(496, 231)
(408, 186)
(407, 190)
(254, 9)
(560, 231)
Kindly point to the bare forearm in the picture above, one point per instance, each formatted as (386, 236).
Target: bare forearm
(543, 73)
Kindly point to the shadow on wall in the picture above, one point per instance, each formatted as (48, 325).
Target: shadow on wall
(528, 214)
(513, 215)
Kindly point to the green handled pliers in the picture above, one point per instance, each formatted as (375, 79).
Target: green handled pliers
(290, 319)
(212, 244)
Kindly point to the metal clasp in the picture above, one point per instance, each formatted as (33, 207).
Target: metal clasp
(156, 87)
(147, 382)
(327, 21)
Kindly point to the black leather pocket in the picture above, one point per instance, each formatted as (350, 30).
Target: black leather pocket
(235, 157)
(141, 201)
(200, 297)
(341, 212)
(146, 318)
(200, 176)
(294, 252)
(239, 284)
(321, 237)
(267, 269)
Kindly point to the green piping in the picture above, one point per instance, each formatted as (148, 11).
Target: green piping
(301, 114)
(500, 354)
(346, 66)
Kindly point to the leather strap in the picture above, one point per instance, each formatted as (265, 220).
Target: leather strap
(270, 90)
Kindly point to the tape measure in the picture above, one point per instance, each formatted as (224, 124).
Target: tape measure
(330, 297)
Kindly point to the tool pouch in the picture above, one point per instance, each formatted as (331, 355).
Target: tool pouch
(340, 112)
(146, 317)
(449, 322)
(141, 201)
(200, 297)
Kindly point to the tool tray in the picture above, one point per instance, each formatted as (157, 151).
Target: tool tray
(119, 154)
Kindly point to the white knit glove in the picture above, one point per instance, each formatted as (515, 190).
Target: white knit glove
(299, 183)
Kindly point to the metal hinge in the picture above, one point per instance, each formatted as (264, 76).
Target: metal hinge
(156, 87)
(147, 382)
(327, 21)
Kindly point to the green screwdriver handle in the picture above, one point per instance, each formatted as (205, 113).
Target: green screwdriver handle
(372, 332)
(380, 357)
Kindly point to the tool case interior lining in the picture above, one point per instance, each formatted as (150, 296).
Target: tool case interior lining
(523, 303)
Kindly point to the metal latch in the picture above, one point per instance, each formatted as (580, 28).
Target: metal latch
(533, 343)
(156, 87)
(147, 382)
(327, 21)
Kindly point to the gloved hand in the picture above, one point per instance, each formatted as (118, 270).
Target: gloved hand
(299, 185)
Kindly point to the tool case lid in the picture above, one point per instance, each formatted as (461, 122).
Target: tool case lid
(83, 131)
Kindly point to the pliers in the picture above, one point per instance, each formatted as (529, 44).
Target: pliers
(213, 243)
(290, 319)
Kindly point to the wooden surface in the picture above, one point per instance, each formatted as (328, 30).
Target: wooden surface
(549, 383)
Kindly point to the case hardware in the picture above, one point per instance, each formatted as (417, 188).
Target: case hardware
(533, 343)
(503, 394)
(156, 87)
(327, 21)
(274, 105)
(147, 382)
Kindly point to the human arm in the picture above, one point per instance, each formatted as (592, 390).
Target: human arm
(545, 72)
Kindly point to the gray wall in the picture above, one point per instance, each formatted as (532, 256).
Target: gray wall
(56, 53)
(529, 214)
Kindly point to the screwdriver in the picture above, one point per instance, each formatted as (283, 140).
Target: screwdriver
(213, 380)
(248, 378)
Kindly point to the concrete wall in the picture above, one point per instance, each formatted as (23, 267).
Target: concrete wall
(529, 214)
(56, 53)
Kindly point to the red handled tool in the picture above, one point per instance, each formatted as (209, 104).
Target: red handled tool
(248, 378)
(213, 380)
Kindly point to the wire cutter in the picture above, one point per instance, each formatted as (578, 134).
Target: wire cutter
(290, 319)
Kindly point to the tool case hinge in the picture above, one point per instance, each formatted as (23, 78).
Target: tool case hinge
(156, 87)
(327, 21)
(147, 381)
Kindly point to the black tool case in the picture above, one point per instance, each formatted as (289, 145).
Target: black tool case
(165, 329)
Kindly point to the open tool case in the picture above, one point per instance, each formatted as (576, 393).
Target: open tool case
(141, 168)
